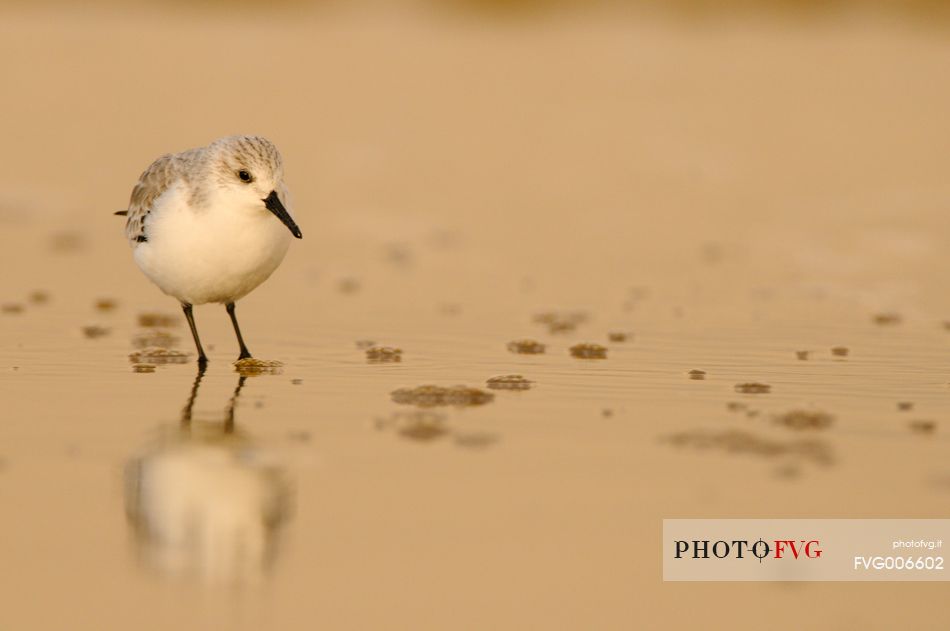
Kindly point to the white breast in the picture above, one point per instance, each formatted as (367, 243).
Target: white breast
(217, 253)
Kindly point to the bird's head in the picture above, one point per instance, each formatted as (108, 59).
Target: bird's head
(250, 171)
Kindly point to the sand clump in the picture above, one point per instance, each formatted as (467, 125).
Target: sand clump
(429, 426)
(66, 241)
(526, 347)
(156, 355)
(429, 395)
(156, 338)
(561, 321)
(753, 387)
(348, 285)
(383, 355)
(159, 320)
(418, 425)
(105, 305)
(252, 367)
(742, 442)
(422, 426)
(886, 318)
(94, 331)
(475, 440)
(589, 351)
(805, 419)
(922, 426)
(509, 382)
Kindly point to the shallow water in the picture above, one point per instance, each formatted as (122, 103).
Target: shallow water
(308, 497)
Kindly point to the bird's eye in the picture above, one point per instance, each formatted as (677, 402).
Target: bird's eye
(245, 176)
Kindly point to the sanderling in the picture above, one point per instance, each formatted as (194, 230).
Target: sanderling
(203, 224)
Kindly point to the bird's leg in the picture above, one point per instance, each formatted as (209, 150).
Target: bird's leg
(202, 358)
(245, 354)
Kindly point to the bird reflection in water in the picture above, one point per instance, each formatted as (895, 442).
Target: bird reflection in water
(205, 501)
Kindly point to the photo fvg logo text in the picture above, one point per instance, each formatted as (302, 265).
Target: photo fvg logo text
(742, 548)
(804, 549)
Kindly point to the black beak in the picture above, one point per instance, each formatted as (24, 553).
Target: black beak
(273, 204)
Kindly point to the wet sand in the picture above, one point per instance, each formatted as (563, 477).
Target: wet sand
(738, 198)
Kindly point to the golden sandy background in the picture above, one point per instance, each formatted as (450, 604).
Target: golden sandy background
(726, 187)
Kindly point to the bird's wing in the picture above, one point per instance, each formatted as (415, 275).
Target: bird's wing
(154, 181)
